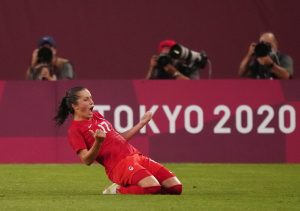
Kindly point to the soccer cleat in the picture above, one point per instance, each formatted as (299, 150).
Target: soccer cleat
(112, 189)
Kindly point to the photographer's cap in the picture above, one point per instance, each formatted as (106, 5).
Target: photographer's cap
(166, 44)
(47, 40)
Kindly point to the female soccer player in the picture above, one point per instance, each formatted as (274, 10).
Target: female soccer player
(93, 138)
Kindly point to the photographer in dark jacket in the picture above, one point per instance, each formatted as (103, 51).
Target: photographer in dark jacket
(264, 61)
(177, 64)
(46, 65)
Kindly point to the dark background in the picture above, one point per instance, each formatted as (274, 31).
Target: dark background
(115, 39)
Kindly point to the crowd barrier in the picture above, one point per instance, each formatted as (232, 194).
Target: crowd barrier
(209, 121)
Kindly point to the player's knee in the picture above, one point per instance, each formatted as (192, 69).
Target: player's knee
(176, 189)
(153, 189)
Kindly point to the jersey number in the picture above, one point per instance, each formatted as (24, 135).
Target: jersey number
(104, 127)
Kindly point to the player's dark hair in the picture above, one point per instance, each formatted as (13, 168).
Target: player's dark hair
(65, 108)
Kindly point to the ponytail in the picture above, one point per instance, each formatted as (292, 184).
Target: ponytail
(65, 108)
(62, 113)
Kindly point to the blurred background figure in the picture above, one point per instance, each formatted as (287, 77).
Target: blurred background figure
(264, 61)
(46, 65)
(174, 61)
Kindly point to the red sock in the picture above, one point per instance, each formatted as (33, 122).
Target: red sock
(163, 174)
(134, 189)
(176, 189)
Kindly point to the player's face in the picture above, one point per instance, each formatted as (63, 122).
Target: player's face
(84, 107)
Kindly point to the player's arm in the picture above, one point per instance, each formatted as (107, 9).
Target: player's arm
(89, 156)
(135, 129)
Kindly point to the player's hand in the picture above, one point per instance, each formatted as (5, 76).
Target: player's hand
(146, 118)
(99, 135)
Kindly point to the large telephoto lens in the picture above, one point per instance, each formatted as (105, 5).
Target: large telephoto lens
(179, 52)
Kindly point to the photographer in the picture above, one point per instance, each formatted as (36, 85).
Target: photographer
(46, 55)
(264, 61)
(175, 62)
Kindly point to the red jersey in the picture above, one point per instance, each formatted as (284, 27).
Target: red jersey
(114, 147)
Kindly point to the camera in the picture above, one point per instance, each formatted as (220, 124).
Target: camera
(43, 69)
(262, 49)
(44, 56)
(164, 59)
(191, 58)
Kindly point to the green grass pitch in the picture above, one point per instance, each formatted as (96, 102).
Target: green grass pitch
(206, 187)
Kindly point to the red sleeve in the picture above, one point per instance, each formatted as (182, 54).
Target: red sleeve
(76, 140)
(97, 114)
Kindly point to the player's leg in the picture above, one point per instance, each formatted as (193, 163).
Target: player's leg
(168, 180)
(133, 178)
(142, 182)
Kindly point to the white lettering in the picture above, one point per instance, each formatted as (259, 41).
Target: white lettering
(292, 117)
(263, 127)
(151, 123)
(172, 116)
(117, 118)
(220, 127)
(187, 119)
(242, 118)
(239, 120)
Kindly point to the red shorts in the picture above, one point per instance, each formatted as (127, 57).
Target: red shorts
(122, 173)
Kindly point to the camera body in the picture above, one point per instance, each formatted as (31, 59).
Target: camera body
(191, 58)
(44, 55)
(164, 59)
(184, 57)
(262, 49)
